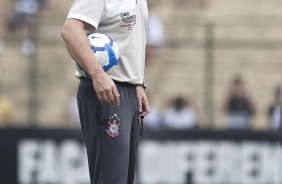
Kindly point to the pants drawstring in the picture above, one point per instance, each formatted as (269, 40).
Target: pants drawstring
(140, 124)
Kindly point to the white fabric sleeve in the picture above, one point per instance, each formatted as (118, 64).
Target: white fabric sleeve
(89, 11)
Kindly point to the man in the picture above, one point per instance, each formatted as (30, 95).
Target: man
(238, 105)
(275, 111)
(109, 106)
(180, 115)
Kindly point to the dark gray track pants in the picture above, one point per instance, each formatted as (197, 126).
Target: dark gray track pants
(110, 134)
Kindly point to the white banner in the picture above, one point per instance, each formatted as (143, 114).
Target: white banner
(208, 162)
(46, 161)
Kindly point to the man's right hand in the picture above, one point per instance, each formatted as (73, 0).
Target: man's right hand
(105, 88)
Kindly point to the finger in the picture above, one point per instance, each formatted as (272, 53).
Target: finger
(145, 106)
(100, 98)
(139, 103)
(145, 113)
(105, 98)
(116, 96)
(110, 97)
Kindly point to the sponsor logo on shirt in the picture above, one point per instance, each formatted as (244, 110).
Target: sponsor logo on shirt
(128, 20)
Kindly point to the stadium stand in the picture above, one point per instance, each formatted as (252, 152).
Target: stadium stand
(245, 42)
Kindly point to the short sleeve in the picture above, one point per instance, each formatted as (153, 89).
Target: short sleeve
(89, 11)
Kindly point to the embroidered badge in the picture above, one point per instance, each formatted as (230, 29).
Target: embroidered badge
(113, 126)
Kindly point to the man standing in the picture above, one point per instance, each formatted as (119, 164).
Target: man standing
(109, 105)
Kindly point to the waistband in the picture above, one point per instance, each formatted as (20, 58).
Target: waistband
(88, 82)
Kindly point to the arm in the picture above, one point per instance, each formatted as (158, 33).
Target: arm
(77, 44)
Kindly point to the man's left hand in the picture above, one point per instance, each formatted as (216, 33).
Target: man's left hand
(142, 101)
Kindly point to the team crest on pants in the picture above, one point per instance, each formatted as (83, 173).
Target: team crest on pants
(113, 126)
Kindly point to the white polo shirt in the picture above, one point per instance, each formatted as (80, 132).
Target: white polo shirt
(125, 22)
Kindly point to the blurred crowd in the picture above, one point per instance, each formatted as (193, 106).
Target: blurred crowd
(179, 112)
(239, 111)
(20, 15)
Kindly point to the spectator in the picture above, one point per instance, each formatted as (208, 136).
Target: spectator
(275, 110)
(6, 112)
(180, 115)
(238, 106)
(25, 15)
(153, 119)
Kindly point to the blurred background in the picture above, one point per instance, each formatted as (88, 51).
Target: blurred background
(214, 77)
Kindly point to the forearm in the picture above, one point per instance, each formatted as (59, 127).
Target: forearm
(78, 47)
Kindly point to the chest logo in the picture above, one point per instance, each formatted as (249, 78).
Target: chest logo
(128, 20)
(113, 126)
